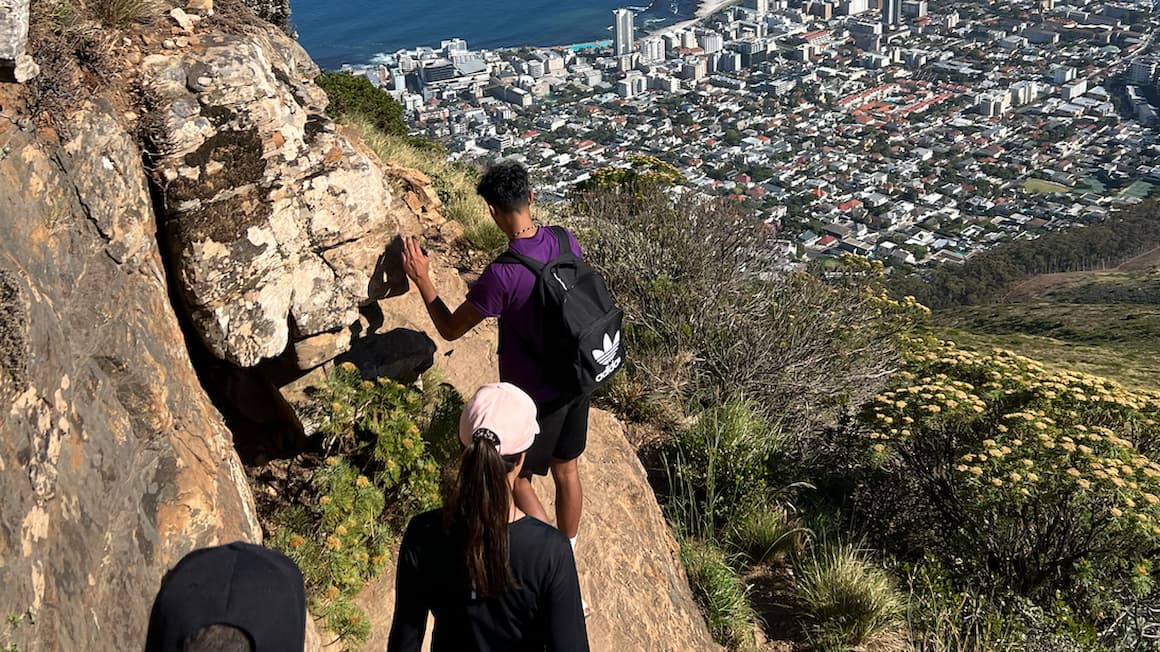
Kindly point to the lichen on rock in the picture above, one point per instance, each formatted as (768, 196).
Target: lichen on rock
(275, 222)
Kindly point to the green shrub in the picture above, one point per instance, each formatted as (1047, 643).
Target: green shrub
(940, 617)
(1042, 482)
(385, 445)
(483, 236)
(713, 315)
(376, 423)
(843, 600)
(336, 538)
(346, 620)
(1136, 626)
(355, 95)
(643, 174)
(765, 533)
(720, 594)
(630, 399)
(719, 468)
(454, 182)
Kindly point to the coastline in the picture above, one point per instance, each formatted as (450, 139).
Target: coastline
(704, 10)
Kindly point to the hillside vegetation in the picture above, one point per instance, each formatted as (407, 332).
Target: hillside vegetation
(1136, 366)
(1101, 322)
(987, 276)
(378, 120)
(843, 479)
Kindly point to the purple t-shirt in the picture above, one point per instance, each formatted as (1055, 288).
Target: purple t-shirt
(505, 291)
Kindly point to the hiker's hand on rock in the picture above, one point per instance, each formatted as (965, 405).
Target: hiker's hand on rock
(415, 262)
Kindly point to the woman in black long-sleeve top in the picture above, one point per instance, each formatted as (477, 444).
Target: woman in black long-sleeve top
(494, 578)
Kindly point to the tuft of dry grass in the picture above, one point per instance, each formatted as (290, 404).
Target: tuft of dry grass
(454, 183)
(118, 13)
(720, 593)
(845, 601)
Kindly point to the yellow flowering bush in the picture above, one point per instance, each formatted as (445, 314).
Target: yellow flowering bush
(383, 447)
(1045, 481)
(377, 423)
(333, 539)
(643, 171)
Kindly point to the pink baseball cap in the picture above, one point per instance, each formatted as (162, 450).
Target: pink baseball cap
(502, 414)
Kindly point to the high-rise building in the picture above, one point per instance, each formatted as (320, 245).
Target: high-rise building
(992, 103)
(729, 62)
(1143, 70)
(1062, 74)
(623, 28)
(451, 46)
(1075, 89)
(758, 6)
(712, 42)
(652, 49)
(853, 7)
(1023, 92)
(914, 8)
(823, 10)
(891, 13)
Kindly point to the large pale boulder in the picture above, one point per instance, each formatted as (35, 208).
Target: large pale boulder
(13, 28)
(277, 225)
(113, 462)
(396, 340)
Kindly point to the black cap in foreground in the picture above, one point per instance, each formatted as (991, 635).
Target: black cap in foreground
(254, 589)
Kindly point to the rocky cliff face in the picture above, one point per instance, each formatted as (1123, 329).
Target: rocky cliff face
(113, 462)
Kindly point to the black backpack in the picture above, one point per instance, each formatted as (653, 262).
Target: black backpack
(581, 323)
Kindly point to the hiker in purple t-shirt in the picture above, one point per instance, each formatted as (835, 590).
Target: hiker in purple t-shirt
(505, 291)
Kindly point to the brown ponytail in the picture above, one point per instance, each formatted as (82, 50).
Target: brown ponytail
(479, 508)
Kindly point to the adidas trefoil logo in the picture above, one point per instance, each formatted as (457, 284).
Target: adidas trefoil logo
(608, 356)
(611, 348)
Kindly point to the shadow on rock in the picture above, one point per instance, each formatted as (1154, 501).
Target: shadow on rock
(389, 279)
(400, 354)
(263, 423)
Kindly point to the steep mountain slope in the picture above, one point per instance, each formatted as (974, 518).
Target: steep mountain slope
(187, 238)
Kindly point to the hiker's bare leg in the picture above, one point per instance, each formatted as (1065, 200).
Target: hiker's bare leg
(569, 496)
(526, 499)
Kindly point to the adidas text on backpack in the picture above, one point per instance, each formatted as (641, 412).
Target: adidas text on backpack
(581, 322)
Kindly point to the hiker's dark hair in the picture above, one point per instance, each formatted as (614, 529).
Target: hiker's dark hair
(218, 638)
(505, 186)
(478, 509)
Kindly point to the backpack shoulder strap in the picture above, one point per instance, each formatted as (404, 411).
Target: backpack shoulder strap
(565, 243)
(511, 257)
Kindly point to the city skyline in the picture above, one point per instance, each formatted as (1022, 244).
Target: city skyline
(915, 144)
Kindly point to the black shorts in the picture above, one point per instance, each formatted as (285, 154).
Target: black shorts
(563, 435)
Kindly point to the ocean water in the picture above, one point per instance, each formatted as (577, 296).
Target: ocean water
(354, 31)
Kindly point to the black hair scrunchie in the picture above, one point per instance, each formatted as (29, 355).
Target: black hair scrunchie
(483, 434)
